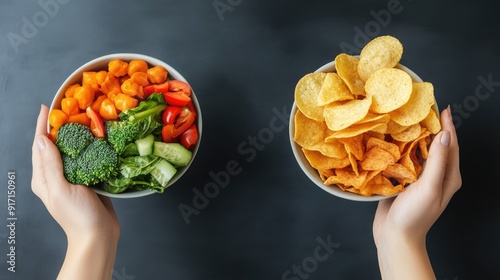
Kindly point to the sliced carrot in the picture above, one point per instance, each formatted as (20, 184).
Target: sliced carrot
(70, 91)
(131, 89)
(85, 96)
(57, 118)
(140, 78)
(89, 78)
(69, 106)
(135, 66)
(108, 110)
(157, 74)
(80, 118)
(124, 102)
(110, 83)
(96, 105)
(118, 67)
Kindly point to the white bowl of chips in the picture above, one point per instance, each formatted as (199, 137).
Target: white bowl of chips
(363, 139)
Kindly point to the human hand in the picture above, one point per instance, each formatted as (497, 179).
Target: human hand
(89, 220)
(415, 210)
(401, 223)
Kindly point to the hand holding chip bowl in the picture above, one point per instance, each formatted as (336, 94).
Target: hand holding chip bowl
(401, 224)
(361, 126)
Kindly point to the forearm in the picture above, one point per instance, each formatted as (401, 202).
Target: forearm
(89, 258)
(404, 258)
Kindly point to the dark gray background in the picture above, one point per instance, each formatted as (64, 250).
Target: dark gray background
(243, 64)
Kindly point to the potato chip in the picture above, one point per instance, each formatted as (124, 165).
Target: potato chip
(354, 145)
(333, 89)
(340, 116)
(409, 157)
(353, 161)
(355, 150)
(381, 52)
(380, 185)
(431, 122)
(390, 88)
(320, 161)
(333, 149)
(409, 134)
(369, 134)
(350, 189)
(306, 95)
(401, 145)
(357, 129)
(347, 177)
(372, 117)
(410, 161)
(393, 127)
(325, 173)
(393, 149)
(369, 177)
(411, 145)
(310, 134)
(377, 158)
(347, 68)
(400, 173)
(417, 107)
(424, 146)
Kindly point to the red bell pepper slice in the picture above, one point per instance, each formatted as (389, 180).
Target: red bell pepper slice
(184, 121)
(96, 124)
(167, 132)
(176, 98)
(150, 89)
(176, 86)
(170, 114)
(189, 138)
(190, 105)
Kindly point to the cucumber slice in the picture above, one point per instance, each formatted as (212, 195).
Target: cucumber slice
(163, 172)
(174, 153)
(145, 145)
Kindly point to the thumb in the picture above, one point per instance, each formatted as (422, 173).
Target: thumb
(435, 167)
(51, 163)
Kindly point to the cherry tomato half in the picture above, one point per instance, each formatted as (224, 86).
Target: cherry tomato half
(176, 86)
(176, 98)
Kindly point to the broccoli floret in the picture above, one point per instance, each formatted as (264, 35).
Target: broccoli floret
(98, 162)
(73, 138)
(135, 123)
(121, 133)
(70, 165)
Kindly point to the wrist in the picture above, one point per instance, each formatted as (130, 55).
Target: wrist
(390, 239)
(403, 256)
(99, 243)
(89, 251)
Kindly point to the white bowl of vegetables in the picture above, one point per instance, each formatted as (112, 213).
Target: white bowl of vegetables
(127, 125)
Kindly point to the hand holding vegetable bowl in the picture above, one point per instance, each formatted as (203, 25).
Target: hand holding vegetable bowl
(127, 125)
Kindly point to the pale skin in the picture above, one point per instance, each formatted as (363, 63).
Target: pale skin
(401, 224)
(88, 220)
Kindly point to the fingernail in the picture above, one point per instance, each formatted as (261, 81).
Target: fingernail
(445, 138)
(40, 143)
